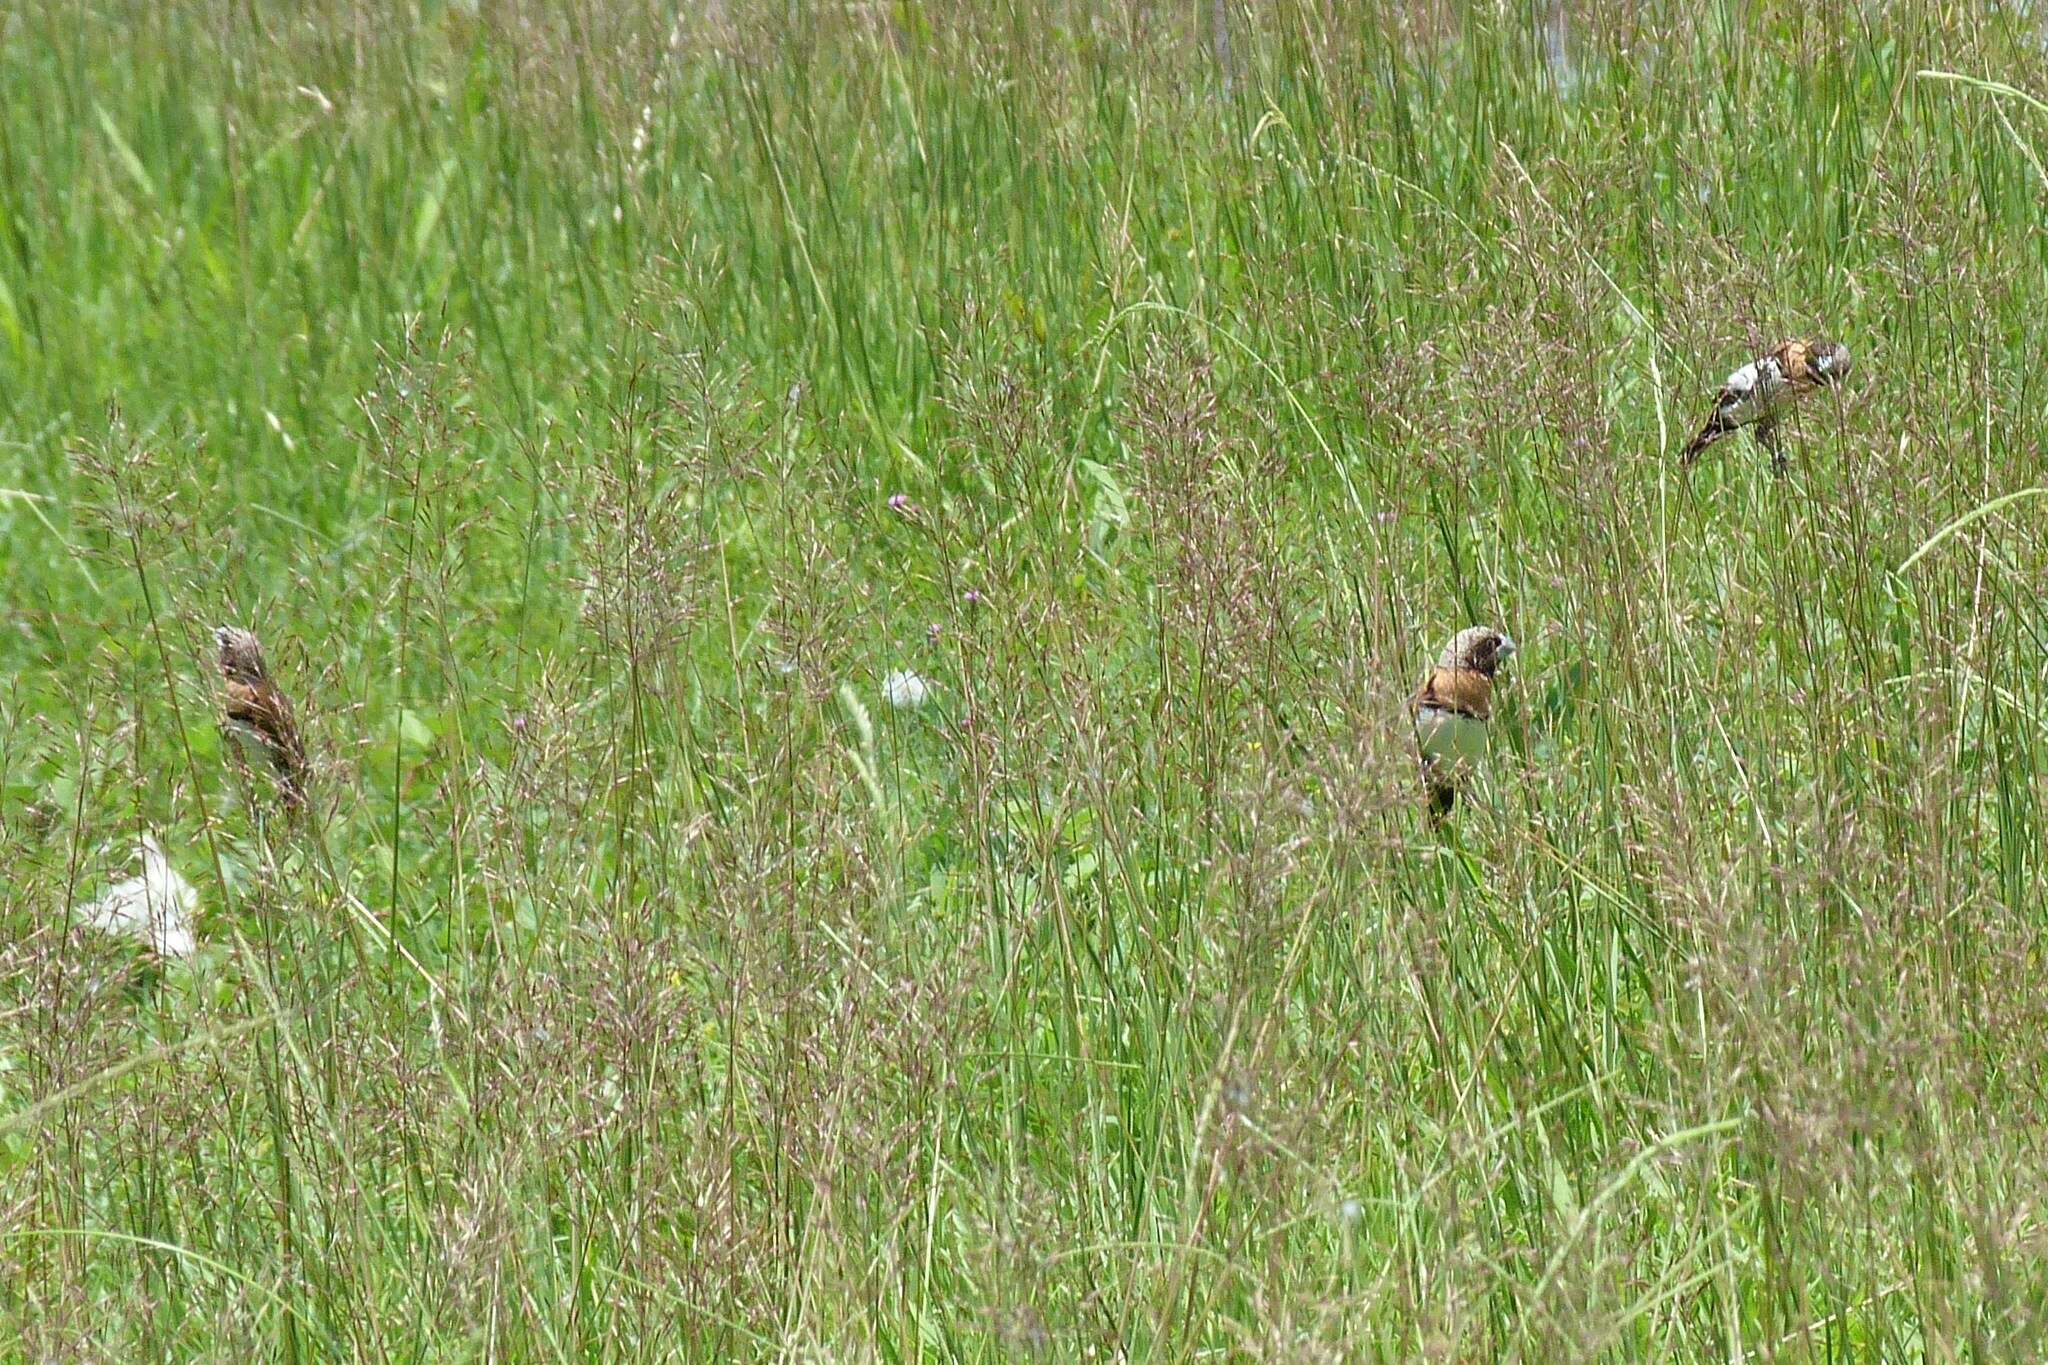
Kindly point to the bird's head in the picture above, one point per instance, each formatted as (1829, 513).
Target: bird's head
(1481, 649)
(1830, 361)
(241, 654)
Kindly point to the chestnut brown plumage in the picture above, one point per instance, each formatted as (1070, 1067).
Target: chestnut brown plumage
(257, 716)
(1450, 711)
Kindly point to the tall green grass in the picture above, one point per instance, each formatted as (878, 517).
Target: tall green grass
(536, 381)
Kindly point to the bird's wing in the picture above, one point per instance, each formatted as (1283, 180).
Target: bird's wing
(263, 710)
(1742, 384)
(1465, 691)
(1752, 392)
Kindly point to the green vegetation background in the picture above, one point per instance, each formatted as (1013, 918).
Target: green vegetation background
(535, 380)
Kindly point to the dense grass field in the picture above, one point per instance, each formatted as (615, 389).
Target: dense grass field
(592, 408)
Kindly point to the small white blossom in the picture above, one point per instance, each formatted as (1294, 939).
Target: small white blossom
(155, 908)
(904, 690)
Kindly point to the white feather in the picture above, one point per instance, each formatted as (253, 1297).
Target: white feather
(155, 908)
(904, 690)
(1753, 391)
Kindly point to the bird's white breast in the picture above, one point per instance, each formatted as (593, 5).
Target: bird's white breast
(1449, 737)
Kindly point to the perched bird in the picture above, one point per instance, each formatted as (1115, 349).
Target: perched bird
(154, 909)
(1760, 394)
(1451, 712)
(258, 716)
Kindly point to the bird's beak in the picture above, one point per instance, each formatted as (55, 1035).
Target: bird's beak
(1507, 648)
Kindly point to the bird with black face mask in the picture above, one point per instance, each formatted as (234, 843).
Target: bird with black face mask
(1451, 710)
(1758, 395)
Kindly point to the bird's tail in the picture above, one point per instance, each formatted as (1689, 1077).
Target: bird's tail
(291, 779)
(1442, 791)
(1713, 431)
